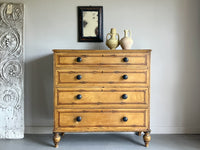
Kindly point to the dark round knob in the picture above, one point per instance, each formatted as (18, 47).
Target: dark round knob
(124, 96)
(125, 59)
(78, 77)
(78, 118)
(79, 96)
(125, 119)
(79, 59)
(125, 76)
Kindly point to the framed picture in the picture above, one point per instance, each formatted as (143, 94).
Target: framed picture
(90, 24)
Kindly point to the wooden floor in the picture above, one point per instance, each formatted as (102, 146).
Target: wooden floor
(103, 142)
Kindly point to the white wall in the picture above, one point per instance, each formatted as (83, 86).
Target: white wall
(171, 28)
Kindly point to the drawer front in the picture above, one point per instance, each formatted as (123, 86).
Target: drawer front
(100, 96)
(83, 77)
(100, 59)
(102, 118)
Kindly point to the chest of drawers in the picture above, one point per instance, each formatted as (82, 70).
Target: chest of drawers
(101, 90)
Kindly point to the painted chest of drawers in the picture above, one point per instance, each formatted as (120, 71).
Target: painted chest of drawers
(102, 90)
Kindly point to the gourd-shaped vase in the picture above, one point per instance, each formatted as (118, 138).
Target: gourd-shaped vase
(126, 42)
(112, 42)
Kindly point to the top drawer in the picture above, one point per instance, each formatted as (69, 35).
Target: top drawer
(96, 59)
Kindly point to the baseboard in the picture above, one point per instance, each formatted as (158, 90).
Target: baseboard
(38, 130)
(155, 130)
(175, 130)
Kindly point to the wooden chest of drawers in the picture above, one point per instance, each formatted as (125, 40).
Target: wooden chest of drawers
(101, 90)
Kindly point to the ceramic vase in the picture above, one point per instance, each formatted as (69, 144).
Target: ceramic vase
(126, 42)
(112, 42)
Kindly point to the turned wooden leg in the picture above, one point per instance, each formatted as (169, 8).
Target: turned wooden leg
(56, 139)
(138, 133)
(147, 138)
(62, 133)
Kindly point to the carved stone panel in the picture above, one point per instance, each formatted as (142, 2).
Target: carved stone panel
(11, 71)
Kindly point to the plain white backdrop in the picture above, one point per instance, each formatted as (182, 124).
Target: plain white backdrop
(171, 28)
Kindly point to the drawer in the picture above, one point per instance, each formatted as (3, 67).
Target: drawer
(101, 77)
(81, 59)
(101, 96)
(102, 118)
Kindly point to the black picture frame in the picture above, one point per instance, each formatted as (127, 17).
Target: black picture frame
(97, 35)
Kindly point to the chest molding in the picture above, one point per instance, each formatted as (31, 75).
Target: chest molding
(101, 91)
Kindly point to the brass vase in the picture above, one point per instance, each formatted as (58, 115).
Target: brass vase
(112, 42)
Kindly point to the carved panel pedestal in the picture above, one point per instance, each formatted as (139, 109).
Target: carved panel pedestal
(11, 71)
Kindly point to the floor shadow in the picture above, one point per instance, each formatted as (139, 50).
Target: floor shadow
(45, 140)
(103, 138)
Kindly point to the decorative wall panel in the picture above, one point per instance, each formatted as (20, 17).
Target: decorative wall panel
(11, 71)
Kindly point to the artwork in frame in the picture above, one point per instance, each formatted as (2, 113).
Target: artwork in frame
(90, 24)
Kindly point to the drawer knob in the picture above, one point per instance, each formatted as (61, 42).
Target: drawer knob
(78, 118)
(125, 119)
(125, 59)
(79, 59)
(79, 96)
(124, 96)
(78, 77)
(125, 76)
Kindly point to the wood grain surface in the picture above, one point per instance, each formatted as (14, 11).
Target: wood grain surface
(101, 106)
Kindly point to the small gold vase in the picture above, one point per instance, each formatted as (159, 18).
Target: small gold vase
(112, 42)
